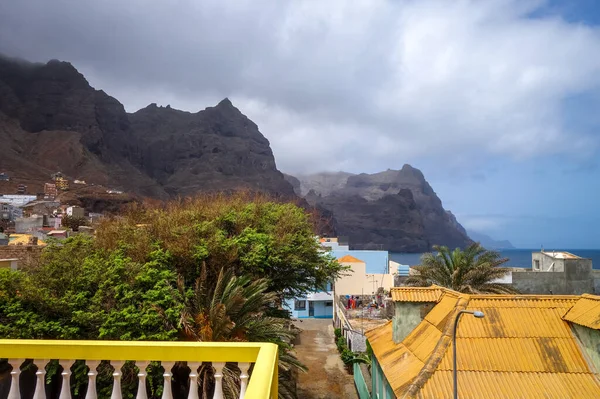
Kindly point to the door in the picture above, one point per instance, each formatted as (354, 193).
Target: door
(311, 309)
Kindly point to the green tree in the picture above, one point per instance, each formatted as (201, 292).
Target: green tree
(245, 234)
(471, 271)
(73, 222)
(236, 309)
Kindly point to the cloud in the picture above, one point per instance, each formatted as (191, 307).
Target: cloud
(358, 86)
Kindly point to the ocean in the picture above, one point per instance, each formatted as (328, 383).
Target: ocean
(517, 257)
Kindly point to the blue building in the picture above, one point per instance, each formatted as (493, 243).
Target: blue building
(316, 304)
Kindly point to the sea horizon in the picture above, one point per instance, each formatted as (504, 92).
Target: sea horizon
(518, 257)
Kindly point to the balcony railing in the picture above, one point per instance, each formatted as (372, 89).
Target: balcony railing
(261, 385)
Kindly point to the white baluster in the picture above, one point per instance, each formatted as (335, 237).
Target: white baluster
(167, 392)
(218, 366)
(194, 366)
(116, 391)
(91, 389)
(15, 392)
(244, 367)
(141, 391)
(40, 384)
(65, 389)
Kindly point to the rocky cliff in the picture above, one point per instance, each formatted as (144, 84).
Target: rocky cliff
(395, 208)
(51, 119)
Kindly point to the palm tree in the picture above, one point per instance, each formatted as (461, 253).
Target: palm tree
(234, 309)
(471, 271)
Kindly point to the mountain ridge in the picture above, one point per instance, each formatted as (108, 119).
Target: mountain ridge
(156, 151)
(364, 204)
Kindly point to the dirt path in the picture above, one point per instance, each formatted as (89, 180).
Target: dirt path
(327, 377)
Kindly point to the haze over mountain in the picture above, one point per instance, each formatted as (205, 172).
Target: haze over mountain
(488, 242)
(395, 209)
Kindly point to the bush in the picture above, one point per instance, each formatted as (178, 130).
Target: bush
(341, 344)
(347, 356)
(338, 333)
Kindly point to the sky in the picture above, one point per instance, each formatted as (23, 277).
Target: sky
(496, 101)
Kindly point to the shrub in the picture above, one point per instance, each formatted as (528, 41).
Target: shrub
(338, 333)
(341, 344)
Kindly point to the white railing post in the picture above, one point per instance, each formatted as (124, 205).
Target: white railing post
(15, 392)
(194, 366)
(65, 389)
(218, 366)
(141, 391)
(244, 367)
(116, 391)
(92, 373)
(40, 384)
(167, 391)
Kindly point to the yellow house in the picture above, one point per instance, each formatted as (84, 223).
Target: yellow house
(524, 346)
(357, 281)
(9, 263)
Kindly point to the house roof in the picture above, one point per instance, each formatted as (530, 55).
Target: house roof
(560, 255)
(22, 239)
(522, 347)
(586, 312)
(349, 259)
(417, 294)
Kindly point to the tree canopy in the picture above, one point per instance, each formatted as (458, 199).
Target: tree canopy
(209, 268)
(472, 271)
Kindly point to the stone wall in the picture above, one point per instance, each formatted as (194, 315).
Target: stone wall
(27, 254)
(577, 278)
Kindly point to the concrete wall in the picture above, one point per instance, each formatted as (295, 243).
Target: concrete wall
(577, 278)
(590, 341)
(406, 317)
(358, 282)
(546, 263)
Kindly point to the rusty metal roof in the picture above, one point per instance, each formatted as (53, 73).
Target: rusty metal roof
(416, 294)
(586, 312)
(522, 348)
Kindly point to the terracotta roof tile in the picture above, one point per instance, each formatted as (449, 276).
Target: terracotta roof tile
(349, 259)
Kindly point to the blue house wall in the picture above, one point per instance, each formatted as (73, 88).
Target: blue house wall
(321, 310)
(376, 261)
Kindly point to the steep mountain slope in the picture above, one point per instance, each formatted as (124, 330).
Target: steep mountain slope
(397, 208)
(51, 119)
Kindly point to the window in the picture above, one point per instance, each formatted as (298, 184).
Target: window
(330, 303)
(299, 304)
(536, 264)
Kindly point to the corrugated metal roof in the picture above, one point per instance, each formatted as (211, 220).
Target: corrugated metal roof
(546, 355)
(585, 312)
(416, 294)
(522, 348)
(484, 385)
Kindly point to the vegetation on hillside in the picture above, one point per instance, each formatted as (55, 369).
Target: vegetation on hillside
(213, 268)
(472, 270)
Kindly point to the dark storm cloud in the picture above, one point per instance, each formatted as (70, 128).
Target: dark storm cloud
(343, 85)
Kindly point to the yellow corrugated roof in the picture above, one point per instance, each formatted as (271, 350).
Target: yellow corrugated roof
(22, 239)
(522, 348)
(349, 259)
(416, 294)
(586, 312)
